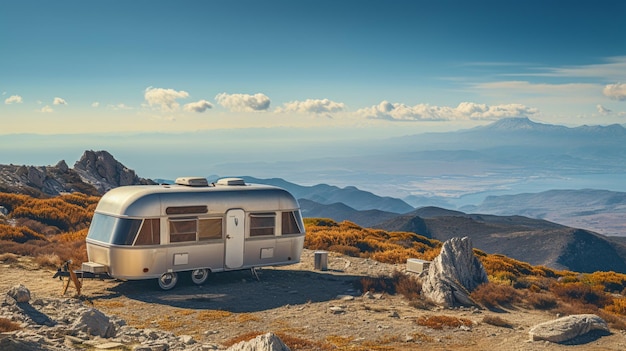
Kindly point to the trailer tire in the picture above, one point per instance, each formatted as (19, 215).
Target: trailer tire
(168, 280)
(199, 276)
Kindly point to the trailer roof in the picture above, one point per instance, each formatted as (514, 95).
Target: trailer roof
(152, 200)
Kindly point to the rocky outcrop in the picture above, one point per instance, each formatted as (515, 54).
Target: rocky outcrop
(568, 328)
(102, 170)
(94, 174)
(265, 342)
(454, 274)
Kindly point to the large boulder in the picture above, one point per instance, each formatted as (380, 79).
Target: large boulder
(454, 274)
(567, 328)
(265, 342)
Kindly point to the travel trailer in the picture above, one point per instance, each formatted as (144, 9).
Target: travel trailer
(192, 227)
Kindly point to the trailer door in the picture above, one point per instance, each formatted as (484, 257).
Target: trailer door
(235, 234)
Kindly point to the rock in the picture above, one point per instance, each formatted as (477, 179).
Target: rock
(36, 176)
(94, 323)
(62, 166)
(102, 170)
(265, 342)
(567, 328)
(20, 293)
(454, 274)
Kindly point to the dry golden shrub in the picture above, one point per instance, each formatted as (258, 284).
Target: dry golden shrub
(209, 315)
(541, 300)
(441, 321)
(492, 295)
(581, 293)
(9, 257)
(350, 239)
(49, 260)
(610, 281)
(618, 306)
(498, 322)
(6, 325)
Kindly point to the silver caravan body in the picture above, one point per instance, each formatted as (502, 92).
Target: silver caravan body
(157, 231)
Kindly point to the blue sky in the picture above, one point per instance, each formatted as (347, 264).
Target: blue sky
(369, 68)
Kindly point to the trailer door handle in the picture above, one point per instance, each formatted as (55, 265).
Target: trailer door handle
(227, 236)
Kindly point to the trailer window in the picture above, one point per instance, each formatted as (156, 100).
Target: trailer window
(262, 223)
(210, 229)
(150, 232)
(113, 230)
(291, 223)
(183, 230)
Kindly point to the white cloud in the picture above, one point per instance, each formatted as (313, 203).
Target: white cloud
(198, 106)
(425, 112)
(13, 99)
(317, 106)
(59, 101)
(244, 102)
(164, 98)
(46, 109)
(603, 110)
(119, 107)
(615, 91)
(95, 104)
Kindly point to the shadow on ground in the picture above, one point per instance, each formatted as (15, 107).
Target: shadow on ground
(239, 291)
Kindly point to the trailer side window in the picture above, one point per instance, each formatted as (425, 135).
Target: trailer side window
(150, 232)
(290, 223)
(210, 228)
(183, 230)
(262, 223)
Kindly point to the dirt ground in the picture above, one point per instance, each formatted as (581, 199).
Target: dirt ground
(321, 310)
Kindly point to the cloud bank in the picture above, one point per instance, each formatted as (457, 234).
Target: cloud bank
(316, 106)
(425, 112)
(165, 99)
(243, 102)
(59, 101)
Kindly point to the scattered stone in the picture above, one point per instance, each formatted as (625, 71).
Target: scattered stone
(265, 342)
(345, 297)
(337, 310)
(567, 328)
(94, 322)
(20, 293)
(454, 274)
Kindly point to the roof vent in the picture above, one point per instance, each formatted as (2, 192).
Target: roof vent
(192, 181)
(231, 181)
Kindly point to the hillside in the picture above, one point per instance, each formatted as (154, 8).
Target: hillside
(537, 242)
(329, 194)
(601, 211)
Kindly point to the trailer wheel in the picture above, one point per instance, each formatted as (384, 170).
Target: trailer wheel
(199, 276)
(168, 280)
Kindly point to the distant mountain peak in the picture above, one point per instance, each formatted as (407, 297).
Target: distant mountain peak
(514, 124)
